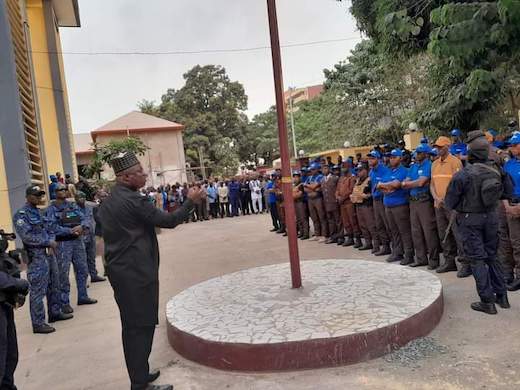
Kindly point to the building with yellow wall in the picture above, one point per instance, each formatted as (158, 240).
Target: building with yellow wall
(35, 130)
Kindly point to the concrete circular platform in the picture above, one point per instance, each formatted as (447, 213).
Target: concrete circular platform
(348, 311)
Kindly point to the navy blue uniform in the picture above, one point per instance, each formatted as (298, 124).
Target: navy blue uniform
(477, 228)
(89, 239)
(42, 271)
(234, 197)
(71, 249)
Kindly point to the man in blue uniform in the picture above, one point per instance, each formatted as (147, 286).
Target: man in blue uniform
(234, 196)
(474, 193)
(377, 172)
(89, 237)
(67, 223)
(42, 271)
(422, 215)
(271, 200)
(512, 208)
(458, 148)
(397, 210)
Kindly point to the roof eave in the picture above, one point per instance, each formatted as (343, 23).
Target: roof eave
(67, 13)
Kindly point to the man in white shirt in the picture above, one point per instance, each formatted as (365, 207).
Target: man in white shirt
(256, 195)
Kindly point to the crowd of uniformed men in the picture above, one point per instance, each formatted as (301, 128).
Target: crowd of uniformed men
(53, 239)
(391, 202)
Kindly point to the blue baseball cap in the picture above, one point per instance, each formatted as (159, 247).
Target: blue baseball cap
(434, 152)
(456, 133)
(315, 165)
(304, 169)
(374, 154)
(424, 140)
(396, 153)
(296, 173)
(515, 139)
(423, 148)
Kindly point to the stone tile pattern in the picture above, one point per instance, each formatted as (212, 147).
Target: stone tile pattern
(339, 298)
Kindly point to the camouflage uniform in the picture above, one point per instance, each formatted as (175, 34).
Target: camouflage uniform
(42, 271)
(70, 248)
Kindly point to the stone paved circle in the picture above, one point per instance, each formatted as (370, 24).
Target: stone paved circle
(339, 298)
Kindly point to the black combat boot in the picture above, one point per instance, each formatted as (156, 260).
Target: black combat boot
(446, 267)
(515, 285)
(383, 251)
(465, 271)
(357, 242)
(393, 258)
(502, 301)
(349, 241)
(484, 307)
(375, 247)
(43, 329)
(408, 259)
(60, 317)
(67, 309)
(366, 246)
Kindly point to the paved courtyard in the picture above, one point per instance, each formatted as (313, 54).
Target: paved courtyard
(472, 350)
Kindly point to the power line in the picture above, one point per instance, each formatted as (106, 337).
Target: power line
(208, 51)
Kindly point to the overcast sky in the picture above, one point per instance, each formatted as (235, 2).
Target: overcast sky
(104, 87)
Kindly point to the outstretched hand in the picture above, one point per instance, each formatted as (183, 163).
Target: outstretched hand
(195, 193)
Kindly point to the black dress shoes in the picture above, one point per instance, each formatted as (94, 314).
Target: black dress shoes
(446, 267)
(152, 377)
(159, 387)
(43, 329)
(87, 301)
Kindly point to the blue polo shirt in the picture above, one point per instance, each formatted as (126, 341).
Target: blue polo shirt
(398, 197)
(459, 148)
(512, 168)
(272, 196)
(417, 170)
(318, 178)
(377, 175)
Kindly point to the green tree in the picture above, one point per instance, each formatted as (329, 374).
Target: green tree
(103, 154)
(211, 107)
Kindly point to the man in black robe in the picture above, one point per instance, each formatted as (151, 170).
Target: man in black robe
(132, 255)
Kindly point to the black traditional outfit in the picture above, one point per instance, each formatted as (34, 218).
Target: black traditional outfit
(132, 255)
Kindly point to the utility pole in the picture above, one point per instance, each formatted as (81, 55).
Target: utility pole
(201, 161)
(291, 90)
(290, 215)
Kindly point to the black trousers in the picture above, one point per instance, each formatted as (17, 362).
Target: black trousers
(274, 216)
(479, 235)
(137, 346)
(8, 348)
(213, 209)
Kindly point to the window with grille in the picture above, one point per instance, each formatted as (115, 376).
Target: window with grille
(26, 90)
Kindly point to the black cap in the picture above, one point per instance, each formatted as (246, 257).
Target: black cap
(123, 161)
(34, 190)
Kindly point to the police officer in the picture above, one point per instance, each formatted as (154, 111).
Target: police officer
(474, 193)
(512, 209)
(42, 270)
(234, 196)
(349, 222)
(11, 289)
(302, 218)
(332, 213)
(377, 172)
(398, 210)
(422, 215)
(458, 148)
(362, 199)
(89, 237)
(315, 199)
(67, 223)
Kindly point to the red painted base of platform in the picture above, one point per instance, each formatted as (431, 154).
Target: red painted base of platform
(307, 354)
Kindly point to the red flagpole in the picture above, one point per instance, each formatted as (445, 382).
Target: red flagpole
(290, 215)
